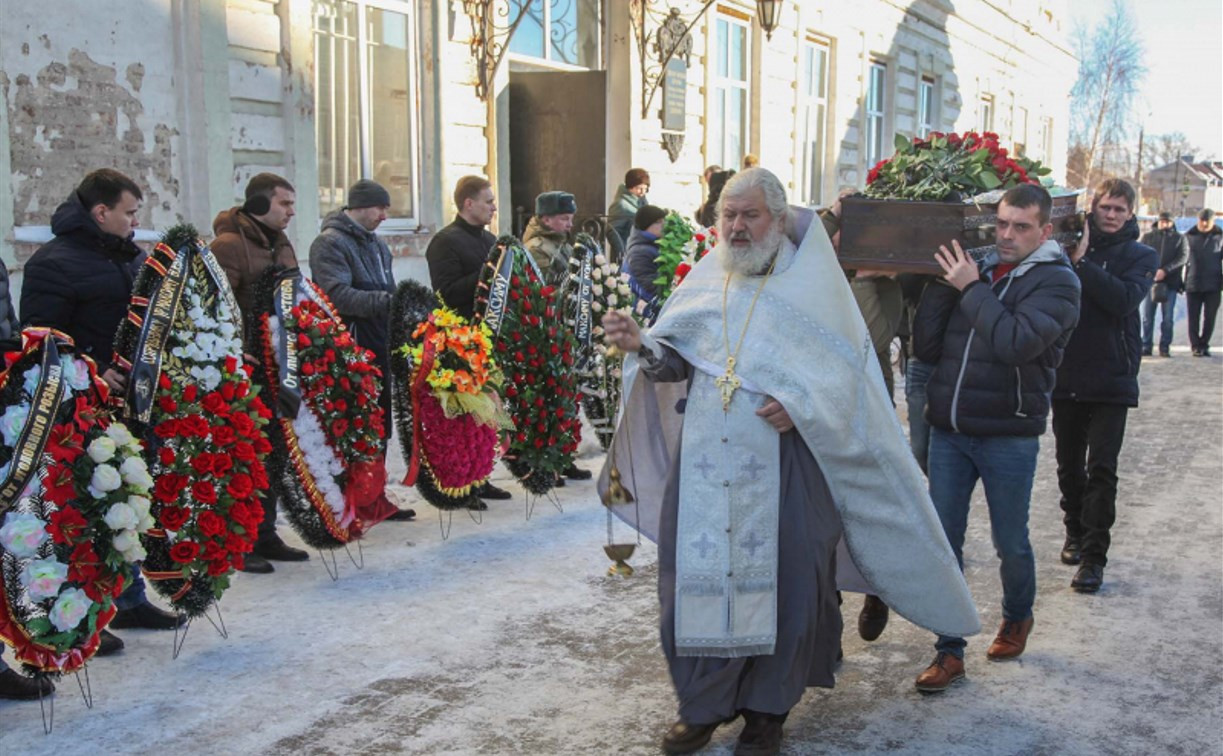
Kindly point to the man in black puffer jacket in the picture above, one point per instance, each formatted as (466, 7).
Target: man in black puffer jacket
(80, 283)
(995, 336)
(353, 266)
(1098, 380)
(1203, 280)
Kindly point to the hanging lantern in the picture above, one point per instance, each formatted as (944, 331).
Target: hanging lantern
(768, 12)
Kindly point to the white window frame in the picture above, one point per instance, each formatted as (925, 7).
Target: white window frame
(1020, 136)
(810, 102)
(985, 113)
(927, 105)
(717, 152)
(547, 62)
(1046, 141)
(875, 112)
(365, 107)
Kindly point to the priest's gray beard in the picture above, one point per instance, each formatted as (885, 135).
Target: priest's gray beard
(754, 260)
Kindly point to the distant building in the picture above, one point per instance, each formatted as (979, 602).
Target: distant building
(191, 98)
(1185, 187)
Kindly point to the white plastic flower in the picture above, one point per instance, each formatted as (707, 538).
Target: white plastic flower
(12, 422)
(119, 433)
(31, 379)
(596, 306)
(128, 544)
(141, 506)
(105, 478)
(600, 260)
(596, 273)
(120, 516)
(135, 473)
(43, 578)
(76, 374)
(70, 608)
(101, 449)
(22, 534)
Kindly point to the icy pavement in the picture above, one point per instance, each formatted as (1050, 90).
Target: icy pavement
(508, 638)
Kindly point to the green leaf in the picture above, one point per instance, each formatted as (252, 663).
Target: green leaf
(902, 143)
(989, 180)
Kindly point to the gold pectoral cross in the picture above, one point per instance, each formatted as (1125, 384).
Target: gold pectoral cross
(728, 383)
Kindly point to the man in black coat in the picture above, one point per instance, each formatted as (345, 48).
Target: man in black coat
(1098, 380)
(1203, 281)
(1173, 253)
(80, 283)
(456, 255)
(994, 334)
(353, 267)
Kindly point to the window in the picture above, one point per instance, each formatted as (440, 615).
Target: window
(875, 108)
(728, 117)
(364, 57)
(1020, 138)
(813, 120)
(925, 106)
(985, 113)
(564, 32)
(1046, 141)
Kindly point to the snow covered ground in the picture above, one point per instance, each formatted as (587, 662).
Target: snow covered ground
(509, 638)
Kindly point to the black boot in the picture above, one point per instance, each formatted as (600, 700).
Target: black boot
(256, 565)
(402, 515)
(761, 735)
(145, 616)
(277, 550)
(573, 472)
(1070, 551)
(489, 491)
(686, 738)
(1088, 579)
(108, 643)
(15, 686)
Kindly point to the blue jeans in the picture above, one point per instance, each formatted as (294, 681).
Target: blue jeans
(133, 595)
(1168, 313)
(1005, 466)
(917, 375)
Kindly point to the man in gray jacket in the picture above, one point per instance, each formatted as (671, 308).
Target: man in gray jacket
(353, 266)
(1173, 254)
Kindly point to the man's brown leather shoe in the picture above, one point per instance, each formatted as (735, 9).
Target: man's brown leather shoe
(946, 670)
(1011, 639)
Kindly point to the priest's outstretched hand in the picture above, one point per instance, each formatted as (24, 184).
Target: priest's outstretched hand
(621, 331)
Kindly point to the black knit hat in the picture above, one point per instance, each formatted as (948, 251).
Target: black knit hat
(366, 193)
(647, 216)
(555, 203)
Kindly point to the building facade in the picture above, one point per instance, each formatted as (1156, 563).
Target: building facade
(192, 97)
(1185, 187)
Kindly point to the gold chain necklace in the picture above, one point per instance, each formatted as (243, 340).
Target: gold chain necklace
(728, 383)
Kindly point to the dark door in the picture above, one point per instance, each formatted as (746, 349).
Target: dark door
(558, 140)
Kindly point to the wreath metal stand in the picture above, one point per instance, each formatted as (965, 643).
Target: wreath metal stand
(360, 552)
(86, 688)
(180, 639)
(550, 496)
(333, 569)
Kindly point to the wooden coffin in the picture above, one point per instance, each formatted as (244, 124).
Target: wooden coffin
(898, 235)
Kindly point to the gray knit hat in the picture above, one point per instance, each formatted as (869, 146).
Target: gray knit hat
(555, 203)
(366, 193)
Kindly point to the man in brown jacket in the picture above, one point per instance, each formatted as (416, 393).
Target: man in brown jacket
(249, 239)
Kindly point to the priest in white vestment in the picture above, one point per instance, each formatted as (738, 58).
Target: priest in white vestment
(755, 431)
